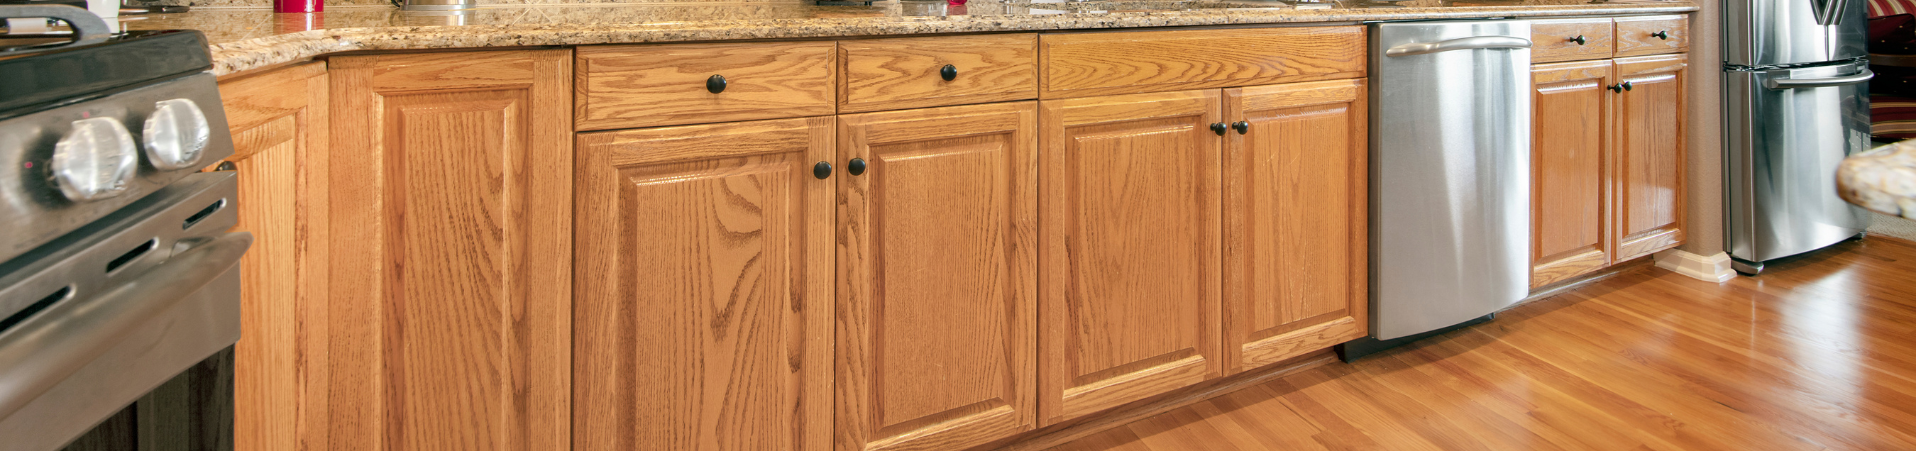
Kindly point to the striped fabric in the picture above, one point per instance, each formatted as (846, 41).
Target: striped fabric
(1892, 117)
(1880, 8)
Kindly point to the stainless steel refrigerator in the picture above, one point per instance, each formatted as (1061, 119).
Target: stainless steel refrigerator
(1795, 103)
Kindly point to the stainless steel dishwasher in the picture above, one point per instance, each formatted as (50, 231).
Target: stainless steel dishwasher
(1450, 176)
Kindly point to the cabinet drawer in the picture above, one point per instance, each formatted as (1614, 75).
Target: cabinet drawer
(644, 86)
(1652, 35)
(1085, 64)
(1557, 40)
(884, 74)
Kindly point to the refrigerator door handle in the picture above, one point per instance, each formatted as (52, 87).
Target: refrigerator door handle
(1804, 83)
(1473, 42)
(1831, 12)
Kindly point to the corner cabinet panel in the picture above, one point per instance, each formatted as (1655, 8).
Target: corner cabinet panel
(1570, 154)
(1650, 147)
(1295, 267)
(450, 323)
(1129, 229)
(704, 300)
(937, 277)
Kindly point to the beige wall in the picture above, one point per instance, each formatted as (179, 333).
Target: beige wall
(1704, 169)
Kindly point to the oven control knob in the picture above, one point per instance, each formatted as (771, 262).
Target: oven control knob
(175, 134)
(95, 160)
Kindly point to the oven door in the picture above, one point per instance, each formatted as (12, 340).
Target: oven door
(104, 317)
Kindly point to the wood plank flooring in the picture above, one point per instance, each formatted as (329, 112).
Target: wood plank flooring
(1817, 353)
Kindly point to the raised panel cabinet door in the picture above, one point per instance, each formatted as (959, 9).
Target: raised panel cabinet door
(704, 294)
(1129, 284)
(1650, 148)
(1570, 160)
(450, 311)
(937, 277)
(1295, 268)
(278, 121)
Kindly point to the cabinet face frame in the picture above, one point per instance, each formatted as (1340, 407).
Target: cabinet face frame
(1277, 238)
(1066, 327)
(1550, 81)
(942, 222)
(1650, 178)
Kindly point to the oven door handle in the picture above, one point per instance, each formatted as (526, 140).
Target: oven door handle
(36, 354)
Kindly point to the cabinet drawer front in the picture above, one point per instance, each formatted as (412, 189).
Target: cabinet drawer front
(1556, 40)
(1652, 35)
(1085, 64)
(884, 74)
(643, 86)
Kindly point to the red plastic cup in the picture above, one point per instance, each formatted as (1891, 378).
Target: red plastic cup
(299, 6)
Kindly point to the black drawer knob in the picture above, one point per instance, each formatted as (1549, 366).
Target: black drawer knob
(1626, 86)
(1614, 88)
(949, 72)
(1219, 128)
(1242, 127)
(1664, 35)
(716, 84)
(856, 166)
(1580, 40)
(822, 170)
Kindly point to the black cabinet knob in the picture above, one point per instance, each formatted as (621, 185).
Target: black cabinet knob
(1242, 127)
(822, 170)
(1579, 40)
(856, 166)
(716, 84)
(949, 72)
(1614, 88)
(1664, 35)
(1218, 128)
(1626, 86)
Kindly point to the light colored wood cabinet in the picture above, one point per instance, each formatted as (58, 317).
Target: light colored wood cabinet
(1650, 154)
(449, 311)
(704, 302)
(1571, 39)
(654, 85)
(1570, 176)
(1650, 35)
(1105, 63)
(1295, 251)
(937, 277)
(895, 73)
(1129, 270)
(279, 125)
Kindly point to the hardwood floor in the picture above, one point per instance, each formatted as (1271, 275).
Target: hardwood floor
(1817, 353)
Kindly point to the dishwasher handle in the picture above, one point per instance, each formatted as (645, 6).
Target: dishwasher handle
(1802, 83)
(1473, 42)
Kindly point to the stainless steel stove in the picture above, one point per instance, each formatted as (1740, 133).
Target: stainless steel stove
(119, 280)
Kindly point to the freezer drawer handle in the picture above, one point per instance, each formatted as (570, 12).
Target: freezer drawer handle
(1473, 42)
(1804, 83)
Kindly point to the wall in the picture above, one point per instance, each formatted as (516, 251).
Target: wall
(1704, 168)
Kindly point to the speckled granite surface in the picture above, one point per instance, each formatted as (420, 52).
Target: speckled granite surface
(246, 39)
(1883, 180)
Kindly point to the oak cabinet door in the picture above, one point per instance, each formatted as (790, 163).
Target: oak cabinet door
(1570, 160)
(450, 305)
(1295, 213)
(1129, 226)
(278, 121)
(937, 277)
(704, 299)
(1650, 147)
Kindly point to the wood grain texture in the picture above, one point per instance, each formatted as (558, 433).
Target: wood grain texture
(1295, 215)
(937, 277)
(1634, 35)
(1102, 63)
(1650, 137)
(1129, 227)
(451, 310)
(1554, 39)
(653, 85)
(1570, 174)
(1811, 355)
(279, 126)
(897, 73)
(704, 288)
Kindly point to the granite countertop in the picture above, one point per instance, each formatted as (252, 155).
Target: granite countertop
(246, 39)
(1883, 180)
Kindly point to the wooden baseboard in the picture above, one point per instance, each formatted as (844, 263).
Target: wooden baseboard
(1061, 433)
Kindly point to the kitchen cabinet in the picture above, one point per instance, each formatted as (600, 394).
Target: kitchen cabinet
(1650, 147)
(937, 277)
(1570, 177)
(449, 308)
(279, 124)
(1295, 254)
(704, 304)
(1129, 270)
